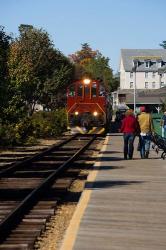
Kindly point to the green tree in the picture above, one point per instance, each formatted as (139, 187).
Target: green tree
(4, 49)
(163, 44)
(36, 68)
(98, 68)
(115, 82)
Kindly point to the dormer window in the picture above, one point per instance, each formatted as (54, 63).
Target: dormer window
(135, 64)
(147, 64)
(159, 64)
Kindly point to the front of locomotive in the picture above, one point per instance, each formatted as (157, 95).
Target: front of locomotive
(86, 107)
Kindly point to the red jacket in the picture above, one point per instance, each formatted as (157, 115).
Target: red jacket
(129, 125)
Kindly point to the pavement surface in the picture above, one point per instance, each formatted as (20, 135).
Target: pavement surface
(123, 206)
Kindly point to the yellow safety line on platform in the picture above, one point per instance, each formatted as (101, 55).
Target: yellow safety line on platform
(72, 230)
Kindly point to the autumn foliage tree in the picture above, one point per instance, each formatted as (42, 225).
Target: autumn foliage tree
(85, 54)
(93, 64)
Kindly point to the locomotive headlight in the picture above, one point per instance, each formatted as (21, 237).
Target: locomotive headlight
(95, 113)
(76, 113)
(86, 81)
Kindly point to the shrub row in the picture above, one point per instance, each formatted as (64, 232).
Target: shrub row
(41, 125)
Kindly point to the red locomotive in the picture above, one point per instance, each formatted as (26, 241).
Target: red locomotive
(88, 106)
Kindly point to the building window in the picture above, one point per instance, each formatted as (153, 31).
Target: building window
(135, 63)
(146, 74)
(146, 85)
(162, 84)
(147, 64)
(131, 74)
(153, 85)
(131, 85)
(160, 64)
(153, 74)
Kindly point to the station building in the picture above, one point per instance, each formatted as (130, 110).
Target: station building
(143, 73)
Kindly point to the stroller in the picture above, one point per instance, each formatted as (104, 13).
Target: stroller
(159, 144)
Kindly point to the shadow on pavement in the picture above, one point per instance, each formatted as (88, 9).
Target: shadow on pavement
(109, 184)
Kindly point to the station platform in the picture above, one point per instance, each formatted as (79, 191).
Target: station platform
(123, 206)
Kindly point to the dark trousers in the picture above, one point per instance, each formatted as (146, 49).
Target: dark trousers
(128, 145)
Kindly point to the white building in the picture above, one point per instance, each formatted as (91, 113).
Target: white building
(141, 70)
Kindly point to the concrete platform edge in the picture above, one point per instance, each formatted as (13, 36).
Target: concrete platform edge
(71, 232)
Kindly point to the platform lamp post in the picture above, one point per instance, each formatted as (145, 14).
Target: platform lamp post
(134, 69)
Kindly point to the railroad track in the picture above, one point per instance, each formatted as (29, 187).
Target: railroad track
(31, 189)
(11, 155)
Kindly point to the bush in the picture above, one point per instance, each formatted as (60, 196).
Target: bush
(7, 135)
(24, 130)
(17, 134)
(40, 125)
(47, 124)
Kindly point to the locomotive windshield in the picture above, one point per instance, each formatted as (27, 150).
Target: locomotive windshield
(87, 91)
(80, 89)
(94, 89)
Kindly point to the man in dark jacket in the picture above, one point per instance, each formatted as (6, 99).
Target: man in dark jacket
(163, 125)
(129, 128)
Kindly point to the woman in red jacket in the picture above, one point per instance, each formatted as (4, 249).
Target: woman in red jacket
(129, 128)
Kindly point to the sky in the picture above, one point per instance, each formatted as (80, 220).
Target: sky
(106, 25)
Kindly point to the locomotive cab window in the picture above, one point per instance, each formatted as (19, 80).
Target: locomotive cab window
(94, 89)
(87, 90)
(71, 90)
(80, 90)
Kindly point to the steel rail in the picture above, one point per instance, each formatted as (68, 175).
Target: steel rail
(17, 214)
(18, 165)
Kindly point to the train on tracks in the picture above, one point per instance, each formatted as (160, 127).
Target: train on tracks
(88, 106)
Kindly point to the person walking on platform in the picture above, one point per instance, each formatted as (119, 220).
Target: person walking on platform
(163, 125)
(146, 128)
(129, 128)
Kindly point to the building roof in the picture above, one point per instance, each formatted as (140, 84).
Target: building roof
(156, 96)
(128, 55)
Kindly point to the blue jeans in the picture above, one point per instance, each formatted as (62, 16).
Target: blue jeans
(164, 131)
(128, 145)
(145, 145)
